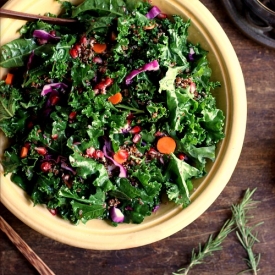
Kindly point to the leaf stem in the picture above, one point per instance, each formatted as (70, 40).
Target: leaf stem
(121, 106)
(210, 246)
(244, 233)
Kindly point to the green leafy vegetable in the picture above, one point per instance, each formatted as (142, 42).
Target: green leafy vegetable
(8, 101)
(80, 153)
(181, 172)
(102, 7)
(15, 53)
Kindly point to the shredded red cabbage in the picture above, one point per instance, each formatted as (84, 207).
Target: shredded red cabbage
(151, 66)
(116, 214)
(41, 34)
(123, 172)
(67, 167)
(153, 12)
(156, 208)
(51, 87)
(191, 54)
(30, 60)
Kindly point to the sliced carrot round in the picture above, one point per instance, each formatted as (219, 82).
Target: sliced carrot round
(166, 145)
(99, 48)
(9, 78)
(116, 98)
(121, 156)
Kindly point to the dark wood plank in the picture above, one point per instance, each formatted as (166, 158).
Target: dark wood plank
(255, 169)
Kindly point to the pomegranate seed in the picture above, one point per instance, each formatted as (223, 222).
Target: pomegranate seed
(90, 152)
(130, 116)
(53, 211)
(99, 154)
(101, 85)
(30, 125)
(181, 156)
(153, 152)
(135, 130)
(73, 53)
(27, 145)
(136, 138)
(54, 100)
(83, 40)
(45, 166)
(72, 115)
(97, 60)
(41, 150)
(55, 136)
(108, 81)
(52, 32)
(77, 47)
(159, 134)
(162, 16)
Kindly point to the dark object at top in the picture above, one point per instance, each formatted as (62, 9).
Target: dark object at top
(255, 18)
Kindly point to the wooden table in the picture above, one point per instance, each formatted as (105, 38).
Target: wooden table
(256, 168)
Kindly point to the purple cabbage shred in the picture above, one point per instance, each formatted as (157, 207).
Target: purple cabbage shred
(116, 214)
(151, 66)
(153, 12)
(30, 60)
(106, 151)
(191, 54)
(51, 87)
(43, 35)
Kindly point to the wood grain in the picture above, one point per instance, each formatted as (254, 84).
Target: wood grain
(256, 168)
(30, 255)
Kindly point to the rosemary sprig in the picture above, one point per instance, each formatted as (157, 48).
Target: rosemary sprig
(245, 232)
(238, 222)
(213, 244)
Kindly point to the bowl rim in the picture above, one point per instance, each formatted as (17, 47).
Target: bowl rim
(129, 236)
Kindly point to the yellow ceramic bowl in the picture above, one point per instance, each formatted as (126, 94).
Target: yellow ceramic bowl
(169, 219)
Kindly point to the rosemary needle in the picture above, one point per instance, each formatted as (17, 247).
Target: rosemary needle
(244, 233)
(213, 244)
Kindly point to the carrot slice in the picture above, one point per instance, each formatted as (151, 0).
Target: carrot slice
(166, 145)
(116, 98)
(9, 78)
(121, 156)
(99, 48)
(24, 152)
(150, 27)
(119, 159)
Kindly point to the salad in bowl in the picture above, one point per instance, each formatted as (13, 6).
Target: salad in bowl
(118, 118)
(106, 120)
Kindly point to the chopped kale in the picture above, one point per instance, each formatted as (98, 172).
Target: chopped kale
(89, 142)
